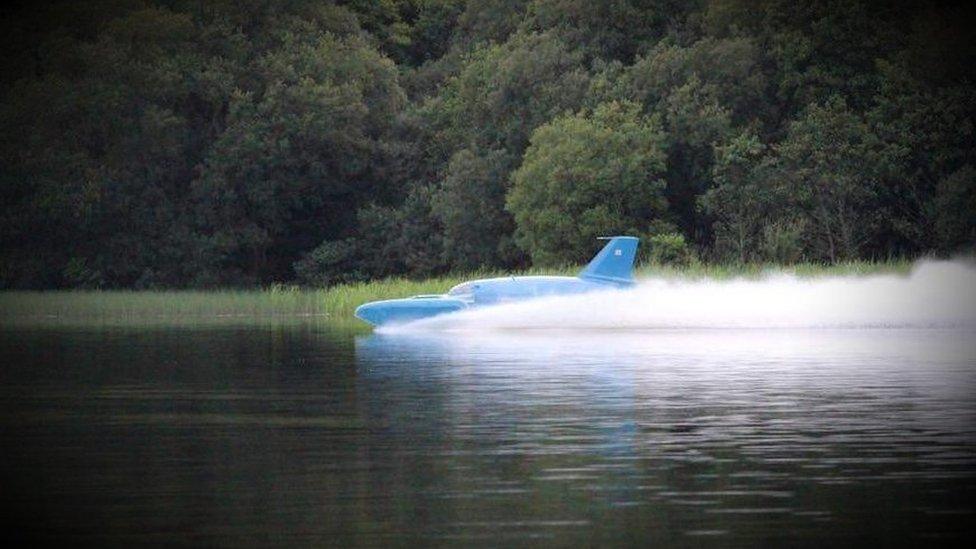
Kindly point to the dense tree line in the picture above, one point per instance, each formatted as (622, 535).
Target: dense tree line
(170, 143)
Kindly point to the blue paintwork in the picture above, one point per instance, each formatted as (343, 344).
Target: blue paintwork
(612, 267)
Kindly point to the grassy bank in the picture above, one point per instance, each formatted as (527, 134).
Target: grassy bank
(715, 271)
(276, 304)
(290, 304)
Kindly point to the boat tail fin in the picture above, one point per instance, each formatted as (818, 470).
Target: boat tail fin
(614, 263)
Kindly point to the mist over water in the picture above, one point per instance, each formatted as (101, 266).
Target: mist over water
(935, 294)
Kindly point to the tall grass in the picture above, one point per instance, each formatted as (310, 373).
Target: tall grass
(333, 305)
(274, 304)
(719, 271)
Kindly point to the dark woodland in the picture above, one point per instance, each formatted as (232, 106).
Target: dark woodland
(169, 144)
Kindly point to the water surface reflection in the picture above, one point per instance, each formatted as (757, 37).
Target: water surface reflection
(314, 436)
(734, 435)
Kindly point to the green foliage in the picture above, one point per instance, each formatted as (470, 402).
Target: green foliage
(154, 144)
(740, 201)
(409, 31)
(782, 241)
(955, 210)
(99, 153)
(297, 153)
(669, 249)
(506, 90)
(928, 134)
(488, 21)
(607, 30)
(701, 92)
(467, 207)
(814, 195)
(831, 167)
(588, 175)
(479, 127)
(388, 241)
(818, 48)
(727, 70)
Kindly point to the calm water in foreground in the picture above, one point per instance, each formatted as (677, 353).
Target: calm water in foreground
(308, 435)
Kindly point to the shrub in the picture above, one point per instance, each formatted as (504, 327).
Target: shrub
(669, 249)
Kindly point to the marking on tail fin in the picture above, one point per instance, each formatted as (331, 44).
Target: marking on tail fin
(614, 263)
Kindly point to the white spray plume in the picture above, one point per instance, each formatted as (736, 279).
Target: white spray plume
(934, 294)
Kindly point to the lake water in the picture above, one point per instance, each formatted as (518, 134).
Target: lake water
(312, 435)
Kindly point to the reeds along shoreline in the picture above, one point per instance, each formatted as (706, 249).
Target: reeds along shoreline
(336, 304)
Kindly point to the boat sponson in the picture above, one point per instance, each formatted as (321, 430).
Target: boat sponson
(392, 311)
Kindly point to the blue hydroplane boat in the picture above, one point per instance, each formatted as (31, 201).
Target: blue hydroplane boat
(611, 268)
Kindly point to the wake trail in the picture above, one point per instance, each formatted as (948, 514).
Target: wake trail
(933, 294)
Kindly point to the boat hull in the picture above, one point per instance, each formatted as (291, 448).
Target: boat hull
(399, 311)
(611, 268)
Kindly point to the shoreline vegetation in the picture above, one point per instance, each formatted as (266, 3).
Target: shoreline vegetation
(280, 304)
